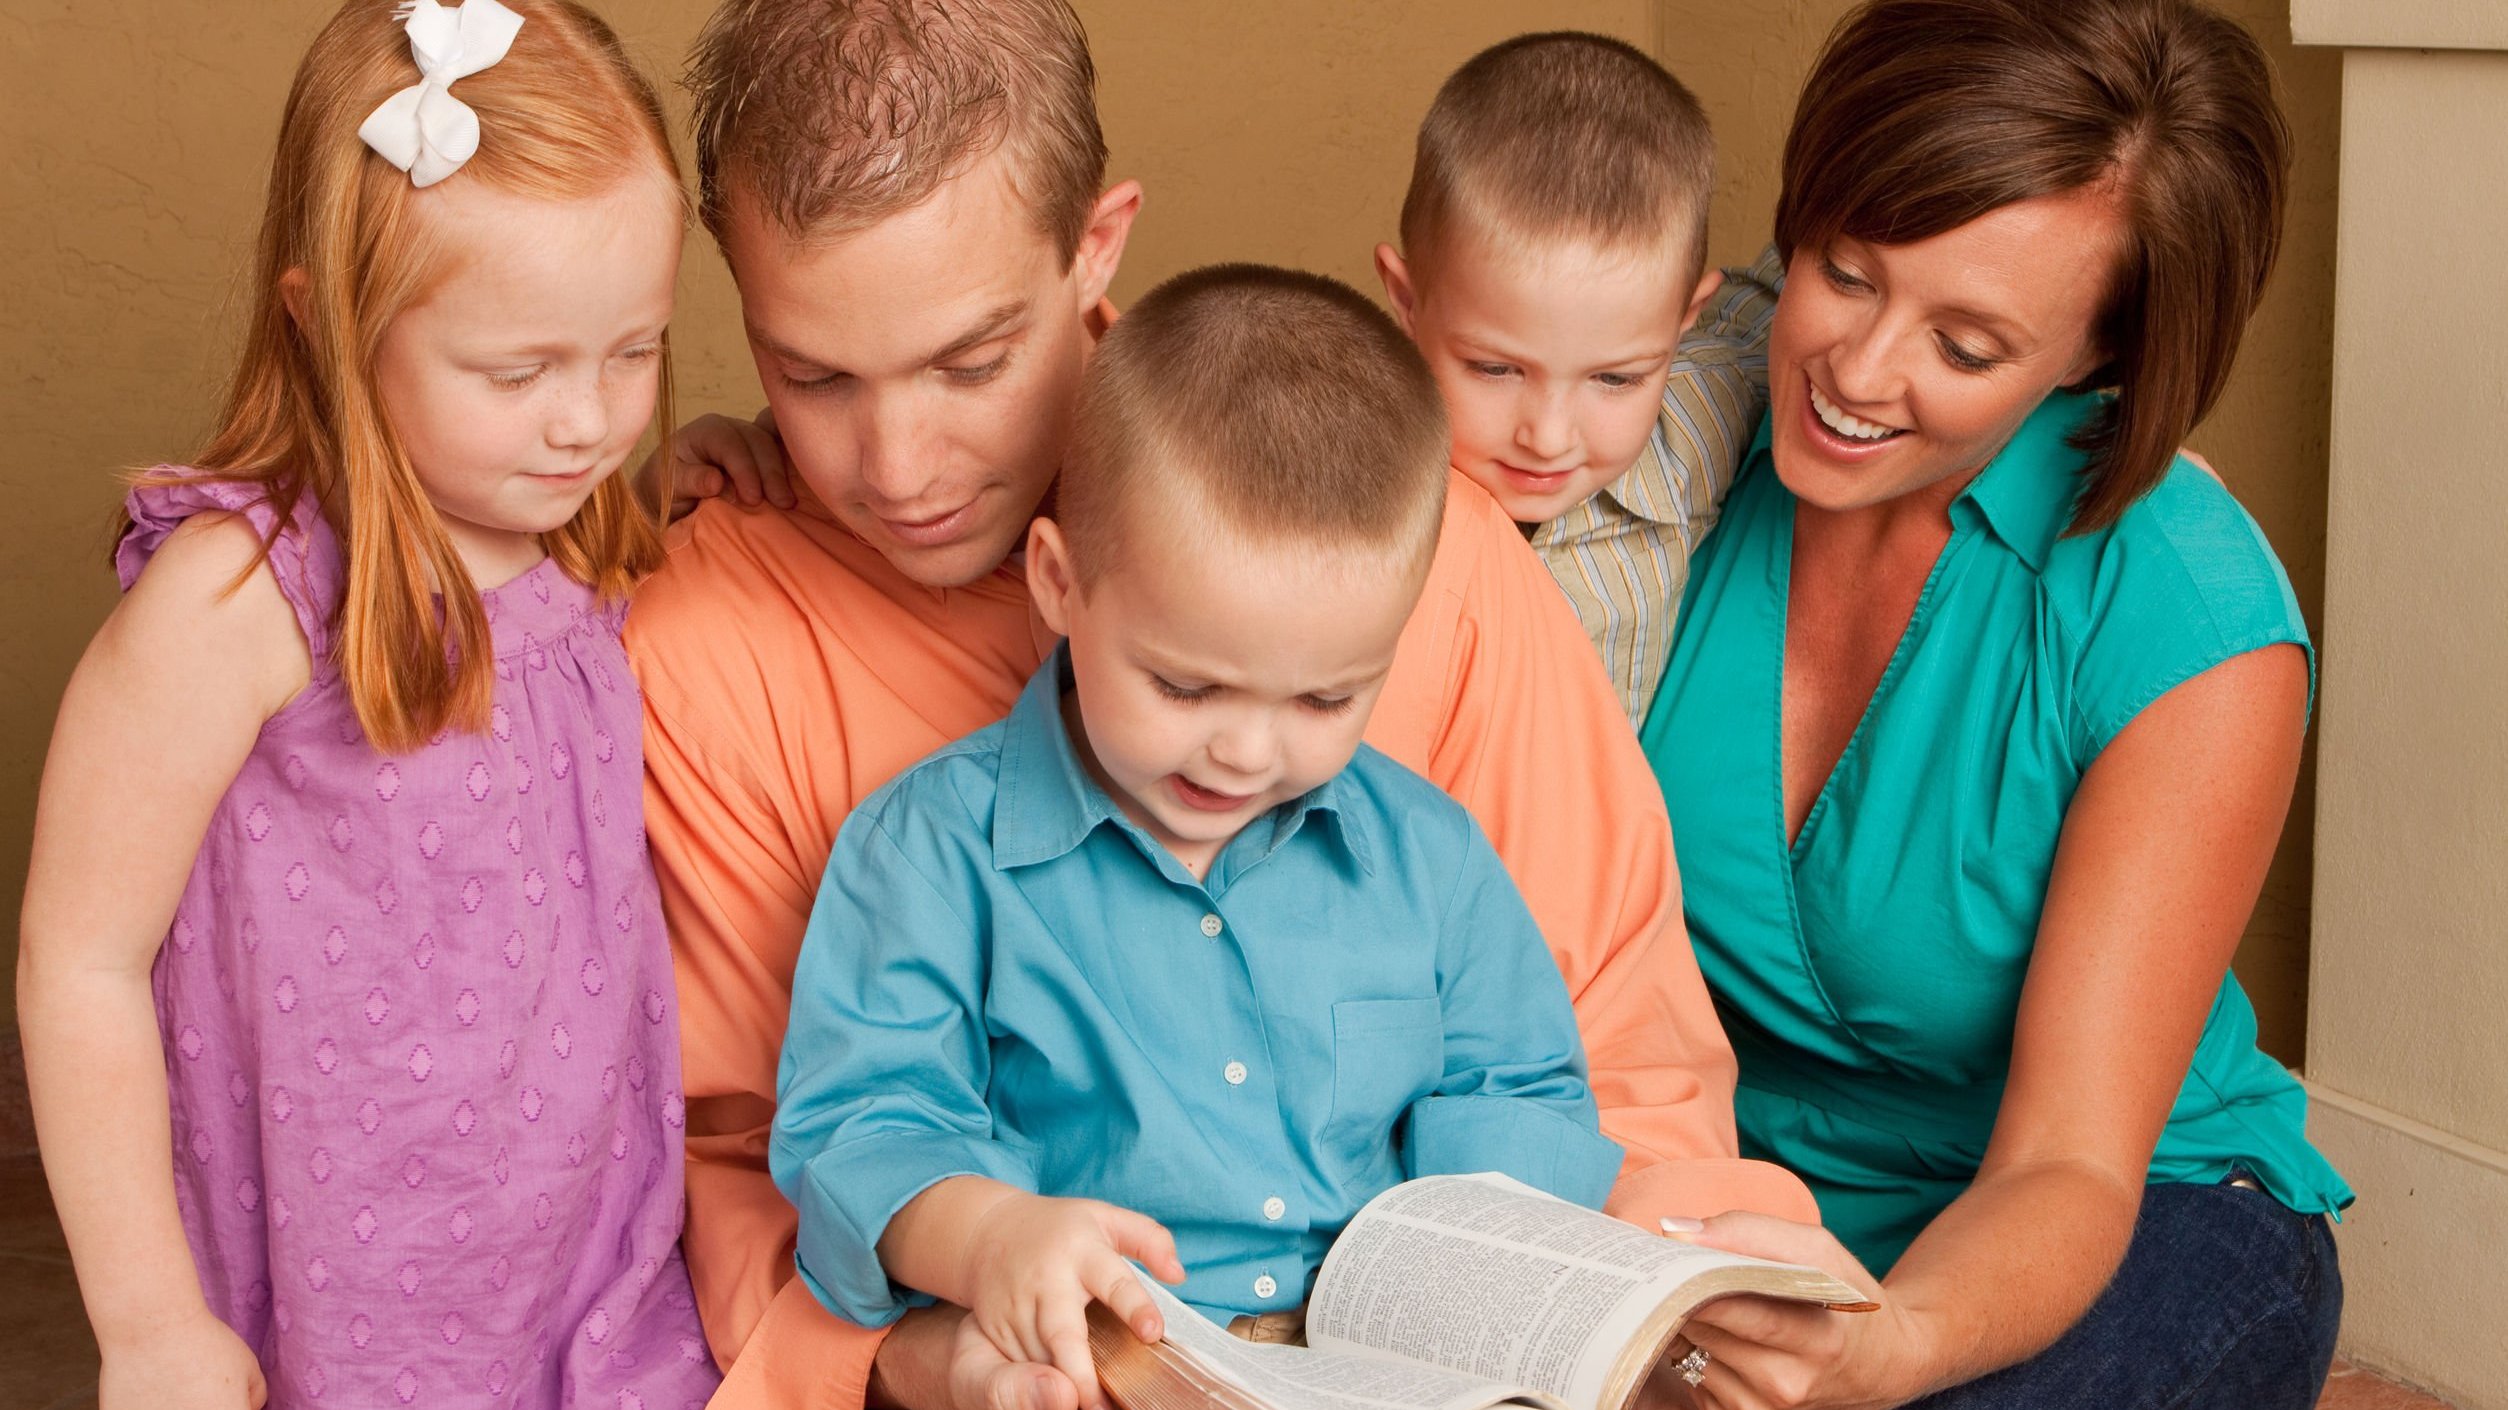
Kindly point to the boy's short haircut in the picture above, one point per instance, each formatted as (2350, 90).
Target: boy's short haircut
(1263, 404)
(832, 115)
(1561, 135)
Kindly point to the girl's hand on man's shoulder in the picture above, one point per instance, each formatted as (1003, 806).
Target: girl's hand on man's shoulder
(723, 456)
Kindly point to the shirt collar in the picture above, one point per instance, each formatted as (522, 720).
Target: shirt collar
(1325, 800)
(1647, 490)
(1046, 804)
(2027, 493)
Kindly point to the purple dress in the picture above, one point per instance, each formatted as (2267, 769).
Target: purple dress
(421, 1037)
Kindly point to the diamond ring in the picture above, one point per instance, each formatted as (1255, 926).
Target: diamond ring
(1693, 1367)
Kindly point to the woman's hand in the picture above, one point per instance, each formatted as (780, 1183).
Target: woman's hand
(197, 1363)
(719, 455)
(1768, 1354)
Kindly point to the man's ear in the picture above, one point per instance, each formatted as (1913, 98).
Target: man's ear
(1708, 283)
(295, 287)
(1395, 271)
(1102, 241)
(1052, 585)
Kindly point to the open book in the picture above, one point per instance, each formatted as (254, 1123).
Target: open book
(1457, 1292)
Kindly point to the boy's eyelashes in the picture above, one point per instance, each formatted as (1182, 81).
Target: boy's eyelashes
(1192, 694)
(1500, 371)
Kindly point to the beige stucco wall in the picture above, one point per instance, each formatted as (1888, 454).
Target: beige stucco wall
(2407, 24)
(2414, 979)
(1278, 131)
(2406, 1049)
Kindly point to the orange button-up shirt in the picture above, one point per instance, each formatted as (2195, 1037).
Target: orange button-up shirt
(789, 671)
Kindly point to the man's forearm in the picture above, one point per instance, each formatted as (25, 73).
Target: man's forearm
(911, 1371)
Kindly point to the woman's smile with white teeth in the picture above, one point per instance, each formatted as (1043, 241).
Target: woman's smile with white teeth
(1854, 428)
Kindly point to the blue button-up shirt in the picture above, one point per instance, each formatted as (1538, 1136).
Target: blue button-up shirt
(1004, 976)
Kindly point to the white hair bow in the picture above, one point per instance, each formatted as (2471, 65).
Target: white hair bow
(423, 129)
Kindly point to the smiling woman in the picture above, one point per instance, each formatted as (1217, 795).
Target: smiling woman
(2155, 206)
(2021, 696)
(1913, 364)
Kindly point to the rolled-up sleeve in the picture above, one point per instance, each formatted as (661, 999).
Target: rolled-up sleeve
(881, 1092)
(1513, 1097)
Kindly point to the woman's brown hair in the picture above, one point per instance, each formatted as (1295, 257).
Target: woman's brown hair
(565, 115)
(1923, 115)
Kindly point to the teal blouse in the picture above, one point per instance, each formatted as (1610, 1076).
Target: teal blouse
(1869, 974)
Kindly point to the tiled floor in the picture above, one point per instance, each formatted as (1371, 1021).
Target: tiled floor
(2351, 1388)
(48, 1361)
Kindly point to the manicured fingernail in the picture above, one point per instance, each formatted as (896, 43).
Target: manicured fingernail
(1675, 1224)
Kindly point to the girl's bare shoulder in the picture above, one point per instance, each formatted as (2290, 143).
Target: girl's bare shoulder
(208, 601)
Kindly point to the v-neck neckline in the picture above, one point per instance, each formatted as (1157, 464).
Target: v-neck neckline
(1798, 845)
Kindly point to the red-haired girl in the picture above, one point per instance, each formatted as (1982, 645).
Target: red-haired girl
(338, 862)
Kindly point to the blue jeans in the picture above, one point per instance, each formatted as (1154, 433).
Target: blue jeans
(2227, 1300)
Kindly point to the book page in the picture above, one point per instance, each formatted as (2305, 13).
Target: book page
(1481, 1274)
(1300, 1378)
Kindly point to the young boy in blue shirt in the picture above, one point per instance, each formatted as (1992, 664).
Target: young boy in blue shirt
(1168, 965)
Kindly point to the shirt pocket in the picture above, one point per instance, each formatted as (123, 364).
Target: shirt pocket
(1386, 1054)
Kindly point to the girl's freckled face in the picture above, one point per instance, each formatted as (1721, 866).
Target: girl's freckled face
(527, 375)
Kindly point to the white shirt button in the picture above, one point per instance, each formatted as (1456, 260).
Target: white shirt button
(1235, 1073)
(1211, 926)
(1275, 1207)
(1264, 1286)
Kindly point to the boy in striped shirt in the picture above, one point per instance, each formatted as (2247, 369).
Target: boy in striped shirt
(1552, 261)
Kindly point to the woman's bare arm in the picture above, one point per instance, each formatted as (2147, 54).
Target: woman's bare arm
(2163, 853)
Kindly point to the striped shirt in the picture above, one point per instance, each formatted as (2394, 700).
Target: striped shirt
(1622, 556)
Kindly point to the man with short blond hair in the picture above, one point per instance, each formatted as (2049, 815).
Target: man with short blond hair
(909, 199)
(834, 116)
